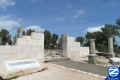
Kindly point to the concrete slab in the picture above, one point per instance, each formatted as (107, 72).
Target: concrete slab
(21, 41)
(32, 42)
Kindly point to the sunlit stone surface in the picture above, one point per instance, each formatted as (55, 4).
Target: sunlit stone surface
(21, 64)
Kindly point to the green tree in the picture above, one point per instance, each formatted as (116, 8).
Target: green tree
(118, 22)
(80, 39)
(54, 41)
(47, 39)
(5, 37)
(29, 31)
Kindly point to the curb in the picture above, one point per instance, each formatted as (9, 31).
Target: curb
(83, 72)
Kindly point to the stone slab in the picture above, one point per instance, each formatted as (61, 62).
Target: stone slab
(21, 64)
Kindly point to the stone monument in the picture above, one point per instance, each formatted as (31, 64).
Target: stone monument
(92, 55)
(19, 32)
(64, 44)
(110, 47)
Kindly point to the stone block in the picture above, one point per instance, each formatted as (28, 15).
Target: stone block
(37, 36)
(114, 60)
(2, 56)
(27, 49)
(21, 41)
(77, 44)
(36, 49)
(16, 49)
(12, 56)
(26, 37)
(71, 48)
(32, 42)
(41, 49)
(42, 36)
(40, 42)
(5, 49)
(22, 56)
(39, 55)
(31, 55)
(70, 39)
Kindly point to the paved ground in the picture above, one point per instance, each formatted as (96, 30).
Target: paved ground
(56, 73)
(92, 68)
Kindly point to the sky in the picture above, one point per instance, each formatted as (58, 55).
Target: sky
(74, 17)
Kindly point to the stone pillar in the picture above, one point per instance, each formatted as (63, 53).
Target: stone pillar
(64, 44)
(92, 46)
(19, 32)
(110, 47)
(92, 56)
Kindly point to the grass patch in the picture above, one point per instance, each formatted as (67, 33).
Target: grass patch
(101, 63)
(15, 77)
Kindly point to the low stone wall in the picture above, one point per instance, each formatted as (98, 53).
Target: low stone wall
(26, 47)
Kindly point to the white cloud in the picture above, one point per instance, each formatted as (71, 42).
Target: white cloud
(94, 29)
(79, 13)
(60, 19)
(5, 3)
(36, 28)
(8, 22)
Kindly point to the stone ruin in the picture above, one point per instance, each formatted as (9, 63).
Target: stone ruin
(72, 49)
(26, 47)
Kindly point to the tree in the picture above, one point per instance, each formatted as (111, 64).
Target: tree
(29, 31)
(47, 39)
(118, 22)
(54, 41)
(80, 39)
(5, 37)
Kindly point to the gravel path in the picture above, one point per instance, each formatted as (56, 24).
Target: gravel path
(92, 68)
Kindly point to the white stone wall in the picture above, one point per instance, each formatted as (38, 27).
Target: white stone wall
(26, 47)
(74, 50)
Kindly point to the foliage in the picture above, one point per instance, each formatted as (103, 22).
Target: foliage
(5, 37)
(101, 37)
(47, 39)
(54, 41)
(80, 39)
(29, 31)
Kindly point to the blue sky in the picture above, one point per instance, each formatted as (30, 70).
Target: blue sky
(58, 16)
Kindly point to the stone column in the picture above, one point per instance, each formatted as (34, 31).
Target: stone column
(92, 46)
(92, 56)
(64, 44)
(110, 46)
(19, 32)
